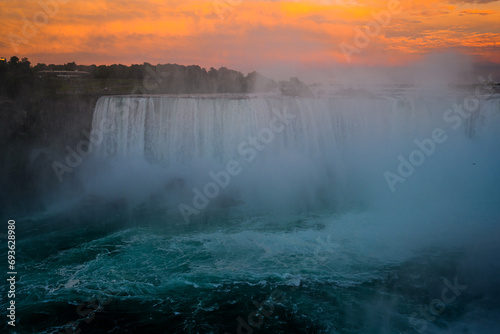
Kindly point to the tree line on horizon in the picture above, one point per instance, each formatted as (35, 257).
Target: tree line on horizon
(18, 78)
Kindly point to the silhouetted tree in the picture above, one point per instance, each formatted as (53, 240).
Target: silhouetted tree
(70, 67)
(17, 78)
(40, 67)
(102, 72)
(14, 61)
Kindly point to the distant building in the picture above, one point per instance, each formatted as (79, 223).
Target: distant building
(63, 74)
(3, 59)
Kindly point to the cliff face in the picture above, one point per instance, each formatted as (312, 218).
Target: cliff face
(13, 143)
(11, 118)
(32, 136)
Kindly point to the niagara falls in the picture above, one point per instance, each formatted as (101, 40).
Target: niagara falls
(250, 167)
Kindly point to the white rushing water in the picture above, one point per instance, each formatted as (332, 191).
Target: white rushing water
(295, 154)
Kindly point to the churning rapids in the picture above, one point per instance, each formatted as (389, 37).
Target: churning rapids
(266, 214)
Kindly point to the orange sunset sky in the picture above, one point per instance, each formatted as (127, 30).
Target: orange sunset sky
(248, 35)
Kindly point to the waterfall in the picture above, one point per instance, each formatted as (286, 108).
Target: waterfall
(298, 153)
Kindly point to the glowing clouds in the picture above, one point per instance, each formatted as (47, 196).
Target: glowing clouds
(246, 35)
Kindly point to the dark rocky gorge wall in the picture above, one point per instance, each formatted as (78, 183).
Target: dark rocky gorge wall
(33, 135)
